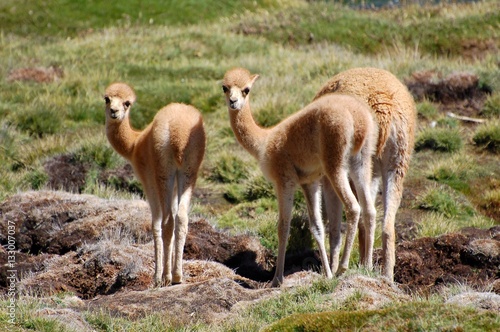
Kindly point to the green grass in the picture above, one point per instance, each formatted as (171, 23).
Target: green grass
(446, 202)
(488, 136)
(436, 223)
(491, 107)
(64, 18)
(431, 30)
(176, 51)
(415, 316)
(439, 139)
(427, 110)
(456, 171)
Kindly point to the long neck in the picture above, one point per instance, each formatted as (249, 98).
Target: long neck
(122, 137)
(247, 132)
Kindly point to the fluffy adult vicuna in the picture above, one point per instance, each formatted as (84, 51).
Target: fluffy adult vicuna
(395, 111)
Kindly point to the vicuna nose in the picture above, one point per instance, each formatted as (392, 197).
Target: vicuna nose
(113, 113)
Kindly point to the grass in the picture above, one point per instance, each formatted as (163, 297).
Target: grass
(415, 316)
(456, 171)
(488, 137)
(439, 139)
(176, 51)
(491, 107)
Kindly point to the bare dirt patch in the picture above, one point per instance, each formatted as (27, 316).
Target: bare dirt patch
(36, 74)
(471, 258)
(459, 92)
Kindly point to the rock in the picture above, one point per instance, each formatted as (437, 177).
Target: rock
(369, 293)
(478, 300)
(68, 318)
(209, 301)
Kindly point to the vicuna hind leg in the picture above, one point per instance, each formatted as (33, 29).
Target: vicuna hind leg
(375, 184)
(169, 209)
(393, 186)
(394, 164)
(312, 194)
(361, 176)
(340, 182)
(184, 191)
(333, 207)
(156, 216)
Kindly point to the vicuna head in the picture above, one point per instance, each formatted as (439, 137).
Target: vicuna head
(236, 85)
(118, 97)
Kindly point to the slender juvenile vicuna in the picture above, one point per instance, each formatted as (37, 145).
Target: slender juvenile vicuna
(395, 111)
(325, 143)
(166, 157)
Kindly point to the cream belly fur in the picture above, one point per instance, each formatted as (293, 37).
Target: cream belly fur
(326, 143)
(166, 157)
(395, 111)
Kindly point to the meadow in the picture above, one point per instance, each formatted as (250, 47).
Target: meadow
(178, 51)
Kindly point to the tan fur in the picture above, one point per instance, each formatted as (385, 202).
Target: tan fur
(325, 142)
(166, 157)
(395, 111)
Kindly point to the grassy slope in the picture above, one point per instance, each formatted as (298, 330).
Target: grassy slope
(176, 51)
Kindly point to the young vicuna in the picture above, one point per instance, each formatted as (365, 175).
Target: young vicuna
(165, 157)
(395, 112)
(323, 144)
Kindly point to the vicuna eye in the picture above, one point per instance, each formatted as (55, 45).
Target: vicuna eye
(106, 100)
(225, 89)
(246, 91)
(127, 104)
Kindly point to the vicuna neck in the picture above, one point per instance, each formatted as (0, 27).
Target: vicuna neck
(122, 137)
(247, 132)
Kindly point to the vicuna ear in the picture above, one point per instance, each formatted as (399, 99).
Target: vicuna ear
(253, 78)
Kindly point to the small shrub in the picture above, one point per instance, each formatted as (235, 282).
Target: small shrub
(491, 107)
(487, 136)
(492, 201)
(36, 179)
(39, 123)
(98, 153)
(229, 169)
(274, 112)
(300, 238)
(455, 171)
(234, 193)
(80, 112)
(439, 139)
(258, 187)
(442, 201)
(267, 232)
(427, 110)
(448, 122)
(131, 185)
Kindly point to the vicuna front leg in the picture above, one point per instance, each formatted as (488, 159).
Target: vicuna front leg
(312, 194)
(285, 202)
